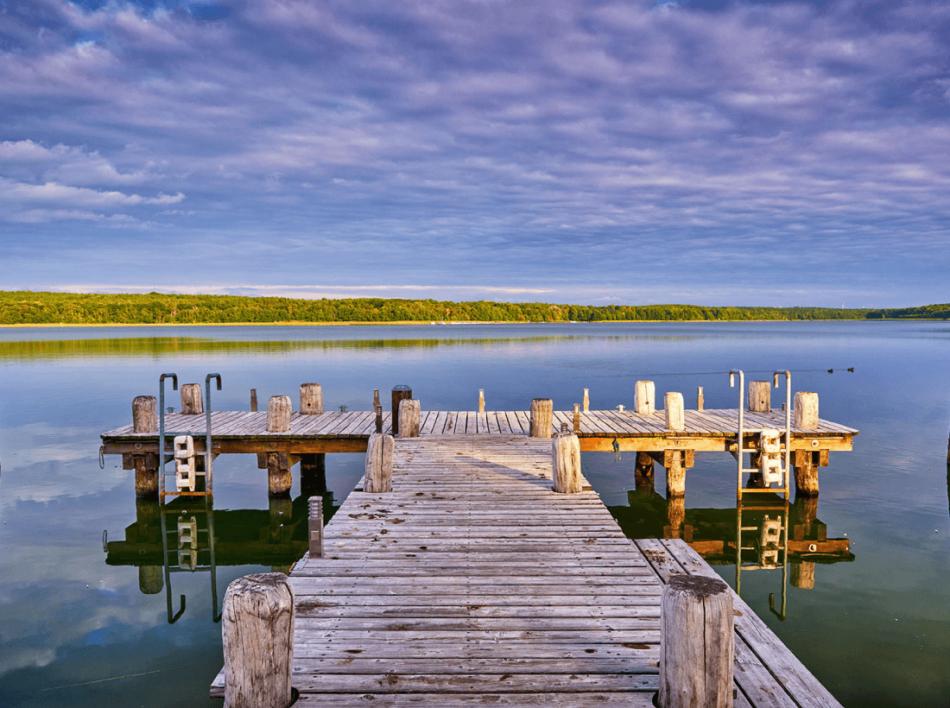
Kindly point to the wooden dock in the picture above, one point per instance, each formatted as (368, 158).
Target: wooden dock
(473, 583)
(332, 431)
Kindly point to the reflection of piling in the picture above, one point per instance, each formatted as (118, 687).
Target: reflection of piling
(148, 528)
(281, 514)
(803, 575)
(313, 474)
(676, 515)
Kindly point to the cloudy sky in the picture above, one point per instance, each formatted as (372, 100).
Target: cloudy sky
(628, 151)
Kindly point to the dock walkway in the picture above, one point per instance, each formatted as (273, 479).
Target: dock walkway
(473, 583)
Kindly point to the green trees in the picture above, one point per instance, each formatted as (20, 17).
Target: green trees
(26, 308)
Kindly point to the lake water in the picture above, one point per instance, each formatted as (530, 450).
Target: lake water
(82, 627)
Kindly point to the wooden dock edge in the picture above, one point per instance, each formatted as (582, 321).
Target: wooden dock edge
(767, 673)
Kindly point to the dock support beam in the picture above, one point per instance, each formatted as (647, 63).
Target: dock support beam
(258, 637)
(279, 478)
(697, 643)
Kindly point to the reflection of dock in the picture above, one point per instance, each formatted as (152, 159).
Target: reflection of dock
(472, 582)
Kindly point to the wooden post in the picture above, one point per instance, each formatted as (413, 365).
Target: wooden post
(481, 400)
(191, 399)
(566, 449)
(146, 476)
(279, 478)
(806, 410)
(316, 527)
(400, 393)
(675, 415)
(542, 417)
(257, 630)
(144, 414)
(379, 464)
(379, 418)
(311, 399)
(806, 473)
(700, 401)
(675, 473)
(696, 643)
(410, 418)
(587, 401)
(376, 403)
(760, 396)
(278, 414)
(253, 400)
(644, 397)
(577, 418)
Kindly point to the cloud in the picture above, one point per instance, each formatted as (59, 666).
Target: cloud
(485, 138)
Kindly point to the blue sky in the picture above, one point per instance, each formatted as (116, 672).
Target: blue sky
(743, 153)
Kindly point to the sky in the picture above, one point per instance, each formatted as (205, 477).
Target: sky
(709, 152)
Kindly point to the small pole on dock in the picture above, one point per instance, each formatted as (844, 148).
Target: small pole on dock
(376, 403)
(697, 643)
(378, 468)
(278, 414)
(700, 402)
(577, 418)
(674, 410)
(311, 399)
(587, 400)
(760, 397)
(644, 397)
(257, 630)
(481, 400)
(316, 527)
(400, 393)
(542, 417)
(410, 418)
(566, 450)
(253, 400)
(191, 399)
(379, 417)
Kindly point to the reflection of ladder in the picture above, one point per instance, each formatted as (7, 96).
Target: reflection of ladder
(773, 446)
(184, 452)
(768, 542)
(188, 546)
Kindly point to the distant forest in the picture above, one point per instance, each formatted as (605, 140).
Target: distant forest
(25, 307)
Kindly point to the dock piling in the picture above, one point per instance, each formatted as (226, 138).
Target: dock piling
(566, 450)
(191, 403)
(311, 399)
(542, 418)
(410, 417)
(400, 393)
(673, 409)
(145, 414)
(644, 398)
(378, 468)
(697, 643)
(278, 414)
(258, 635)
(253, 400)
(760, 397)
(806, 410)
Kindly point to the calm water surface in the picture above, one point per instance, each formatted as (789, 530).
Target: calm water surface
(85, 624)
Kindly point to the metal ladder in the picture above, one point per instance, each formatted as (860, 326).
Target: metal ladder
(774, 450)
(184, 454)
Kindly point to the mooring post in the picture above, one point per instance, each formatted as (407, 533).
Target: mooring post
(311, 399)
(253, 400)
(587, 400)
(145, 420)
(257, 631)
(542, 418)
(806, 410)
(144, 414)
(699, 398)
(191, 403)
(760, 397)
(481, 400)
(644, 397)
(376, 403)
(400, 393)
(696, 643)
(378, 468)
(566, 450)
(410, 417)
(278, 414)
(577, 418)
(673, 408)
(316, 527)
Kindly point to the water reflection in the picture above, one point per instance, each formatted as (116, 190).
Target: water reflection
(761, 535)
(188, 535)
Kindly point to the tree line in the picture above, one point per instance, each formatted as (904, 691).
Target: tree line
(26, 307)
